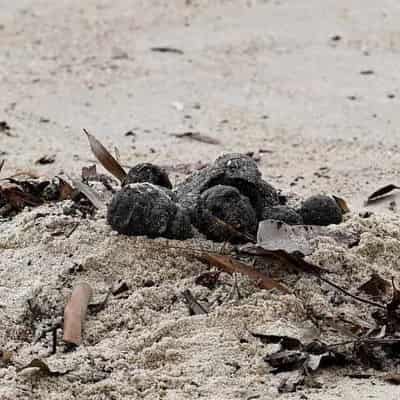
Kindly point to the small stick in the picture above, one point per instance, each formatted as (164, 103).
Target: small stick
(75, 313)
(54, 340)
(195, 307)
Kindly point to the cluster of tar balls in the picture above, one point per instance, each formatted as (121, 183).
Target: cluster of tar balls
(228, 193)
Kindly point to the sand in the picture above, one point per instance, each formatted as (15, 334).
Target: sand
(254, 75)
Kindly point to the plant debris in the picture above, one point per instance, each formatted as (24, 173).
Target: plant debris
(5, 128)
(105, 158)
(198, 137)
(194, 306)
(342, 204)
(380, 193)
(230, 265)
(75, 313)
(39, 366)
(48, 159)
(166, 49)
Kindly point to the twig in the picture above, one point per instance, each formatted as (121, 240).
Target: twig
(194, 306)
(355, 297)
(75, 313)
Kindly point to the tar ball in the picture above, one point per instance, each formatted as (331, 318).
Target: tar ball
(146, 172)
(225, 203)
(320, 210)
(146, 209)
(283, 213)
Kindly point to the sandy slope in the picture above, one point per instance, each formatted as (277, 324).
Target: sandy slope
(255, 75)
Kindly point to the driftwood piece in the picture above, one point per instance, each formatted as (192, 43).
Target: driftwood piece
(75, 313)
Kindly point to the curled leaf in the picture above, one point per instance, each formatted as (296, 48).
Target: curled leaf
(105, 158)
(342, 204)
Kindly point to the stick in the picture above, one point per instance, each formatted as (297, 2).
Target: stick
(75, 313)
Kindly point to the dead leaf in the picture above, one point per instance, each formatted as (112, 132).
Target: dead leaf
(197, 136)
(208, 279)
(276, 235)
(287, 360)
(286, 259)
(89, 172)
(376, 286)
(90, 194)
(381, 192)
(48, 159)
(65, 190)
(75, 313)
(42, 368)
(286, 342)
(342, 204)
(230, 265)
(392, 378)
(165, 49)
(105, 158)
(194, 306)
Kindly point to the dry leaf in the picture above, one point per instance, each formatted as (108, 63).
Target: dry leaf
(197, 136)
(2, 162)
(89, 172)
(75, 313)
(381, 192)
(230, 265)
(276, 235)
(48, 159)
(105, 158)
(342, 204)
(392, 378)
(286, 259)
(41, 367)
(165, 49)
(91, 195)
(375, 286)
(65, 190)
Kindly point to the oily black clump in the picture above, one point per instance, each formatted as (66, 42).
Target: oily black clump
(320, 210)
(225, 203)
(235, 170)
(146, 209)
(283, 213)
(147, 172)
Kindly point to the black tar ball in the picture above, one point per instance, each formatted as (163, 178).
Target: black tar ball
(283, 213)
(146, 209)
(320, 210)
(146, 172)
(227, 204)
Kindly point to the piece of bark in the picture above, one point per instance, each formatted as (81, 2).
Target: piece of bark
(75, 313)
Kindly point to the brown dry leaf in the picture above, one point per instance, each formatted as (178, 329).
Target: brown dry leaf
(105, 158)
(286, 259)
(17, 198)
(342, 204)
(91, 195)
(65, 190)
(230, 265)
(381, 192)
(2, 162)
(75, 313)
(376, 286)
(392, 378)
(41, 367)
(197, 136)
